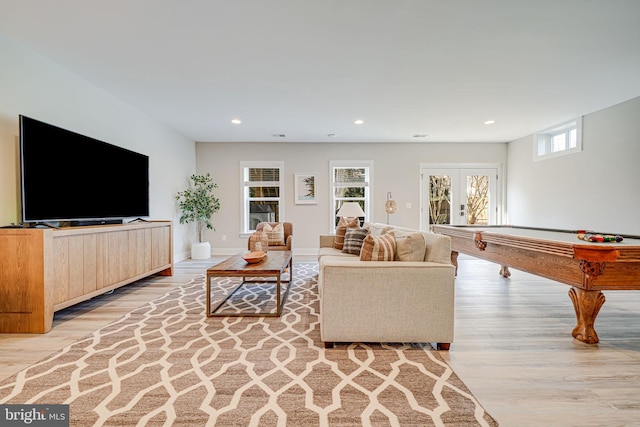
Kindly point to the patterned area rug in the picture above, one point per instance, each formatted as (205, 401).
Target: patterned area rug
(166, 363)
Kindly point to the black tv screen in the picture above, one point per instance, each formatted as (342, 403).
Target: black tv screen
(66, 176)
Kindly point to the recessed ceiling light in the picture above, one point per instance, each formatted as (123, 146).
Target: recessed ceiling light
(236, 121)
(358, 122)
(489, 122)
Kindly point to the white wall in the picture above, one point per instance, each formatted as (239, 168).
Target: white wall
(396, 169)
(596, 189)
(34, 86)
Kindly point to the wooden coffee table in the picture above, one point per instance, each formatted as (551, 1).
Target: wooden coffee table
(273, 266)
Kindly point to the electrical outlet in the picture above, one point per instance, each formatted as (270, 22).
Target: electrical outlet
(408, 205)
(224, 237)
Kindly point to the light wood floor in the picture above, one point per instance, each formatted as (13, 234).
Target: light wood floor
(513, 346)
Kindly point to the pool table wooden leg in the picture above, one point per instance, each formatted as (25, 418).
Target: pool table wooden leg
(504, 271)
(587, 304)
(454, 261)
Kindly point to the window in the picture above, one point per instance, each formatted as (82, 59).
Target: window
(262, 191)
(350, 182)
(559, 140)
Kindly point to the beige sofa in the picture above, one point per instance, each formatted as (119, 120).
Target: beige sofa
(387, 301)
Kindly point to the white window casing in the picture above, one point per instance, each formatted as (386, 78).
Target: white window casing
(262, 187)
(560, 140)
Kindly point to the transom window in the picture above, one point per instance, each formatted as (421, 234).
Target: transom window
(350, 182)
(559, 140)
(262, 192)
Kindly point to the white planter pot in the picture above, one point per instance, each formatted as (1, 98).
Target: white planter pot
(201, 250)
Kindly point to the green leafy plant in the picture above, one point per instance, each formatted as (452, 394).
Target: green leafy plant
(198, 203)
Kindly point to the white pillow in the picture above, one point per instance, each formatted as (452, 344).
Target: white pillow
(275, 234)
(377, 229)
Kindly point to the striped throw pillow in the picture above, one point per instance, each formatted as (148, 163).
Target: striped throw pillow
(378, 248)
(341, 230)
(353, 240)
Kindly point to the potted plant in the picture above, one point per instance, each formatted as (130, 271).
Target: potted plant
(197, 204)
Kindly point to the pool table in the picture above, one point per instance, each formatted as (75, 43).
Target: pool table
(588, 267)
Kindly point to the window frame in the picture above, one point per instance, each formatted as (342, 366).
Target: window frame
(544, 140)
(368, 188)
(246, 200)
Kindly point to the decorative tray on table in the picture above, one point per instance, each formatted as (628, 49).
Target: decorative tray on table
(254, 257)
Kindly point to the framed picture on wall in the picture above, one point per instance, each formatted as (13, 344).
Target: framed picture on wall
(305, 189)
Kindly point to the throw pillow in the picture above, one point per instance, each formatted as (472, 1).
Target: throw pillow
(377, 229)
(341, 229)
(353, 240)
(378, 248)
(275, 234)
(410, 247)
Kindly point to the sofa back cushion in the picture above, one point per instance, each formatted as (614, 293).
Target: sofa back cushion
(378, 248)
(377, 229)
(438, 248)
(275, 233)
(353, 240)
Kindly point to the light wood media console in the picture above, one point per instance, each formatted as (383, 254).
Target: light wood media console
(45, 270)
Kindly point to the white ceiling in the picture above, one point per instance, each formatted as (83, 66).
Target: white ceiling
(309, 68)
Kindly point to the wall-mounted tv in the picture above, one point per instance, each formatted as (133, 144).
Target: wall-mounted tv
(66, 176)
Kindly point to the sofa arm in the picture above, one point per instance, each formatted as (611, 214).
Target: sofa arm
(382, 301)
(326, 240)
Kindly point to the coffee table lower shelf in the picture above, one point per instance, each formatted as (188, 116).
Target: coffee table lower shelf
(273, 267)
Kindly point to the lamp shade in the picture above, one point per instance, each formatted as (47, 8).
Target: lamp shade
(350, 210)
(390, 206)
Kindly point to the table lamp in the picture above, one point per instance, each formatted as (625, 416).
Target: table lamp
(350, 210)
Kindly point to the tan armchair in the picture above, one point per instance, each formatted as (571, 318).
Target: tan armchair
(288, 236)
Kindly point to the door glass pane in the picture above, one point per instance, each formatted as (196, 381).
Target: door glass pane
(477, 199)
(439, 199)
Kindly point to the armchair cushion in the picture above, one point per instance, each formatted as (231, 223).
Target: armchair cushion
(275, 233)
(287, 241)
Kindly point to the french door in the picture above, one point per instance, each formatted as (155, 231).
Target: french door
(459, 195)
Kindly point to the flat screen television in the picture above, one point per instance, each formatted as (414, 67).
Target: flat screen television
(70, 177)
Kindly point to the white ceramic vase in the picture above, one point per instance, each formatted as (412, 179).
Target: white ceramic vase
(201, 250)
